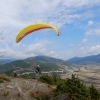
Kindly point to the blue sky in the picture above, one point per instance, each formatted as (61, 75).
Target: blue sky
(77, 20)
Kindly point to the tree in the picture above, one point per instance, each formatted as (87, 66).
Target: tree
(94, 93)
(76, 89)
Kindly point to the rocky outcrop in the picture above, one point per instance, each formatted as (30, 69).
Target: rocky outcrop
(23, 89)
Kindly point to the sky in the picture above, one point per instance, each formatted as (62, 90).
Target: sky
(77, 20)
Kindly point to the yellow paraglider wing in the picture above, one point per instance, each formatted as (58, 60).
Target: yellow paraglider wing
(32, 28)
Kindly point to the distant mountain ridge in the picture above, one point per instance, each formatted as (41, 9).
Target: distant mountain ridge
(4, 61)
(44, 59)
(41, 58)
(93, 59)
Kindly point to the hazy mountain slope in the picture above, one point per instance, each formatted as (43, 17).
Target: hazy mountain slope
(93, 59)
(4, 61)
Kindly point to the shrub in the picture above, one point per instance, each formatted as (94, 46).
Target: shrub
(1, 80)
(52, 80)
(46, 79)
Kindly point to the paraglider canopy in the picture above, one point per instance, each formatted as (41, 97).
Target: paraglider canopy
(32, 28)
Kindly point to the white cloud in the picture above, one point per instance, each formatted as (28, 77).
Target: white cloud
(82, 48)
(79, 3)
(93, 32)
(90, 22)
(16, 14)
(24, 51)
(23, 12)
(35, 49)
(94, 49)
(84, 41)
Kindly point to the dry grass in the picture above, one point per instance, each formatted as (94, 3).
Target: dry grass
(90, 75)
(6, 93)
(40, 94)
(32, 94)
(4, 77)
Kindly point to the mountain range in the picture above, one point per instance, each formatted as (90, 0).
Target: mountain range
(93, 59)
(29, 65)
(47, 63)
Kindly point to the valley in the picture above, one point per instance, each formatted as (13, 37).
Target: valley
(88, 73)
